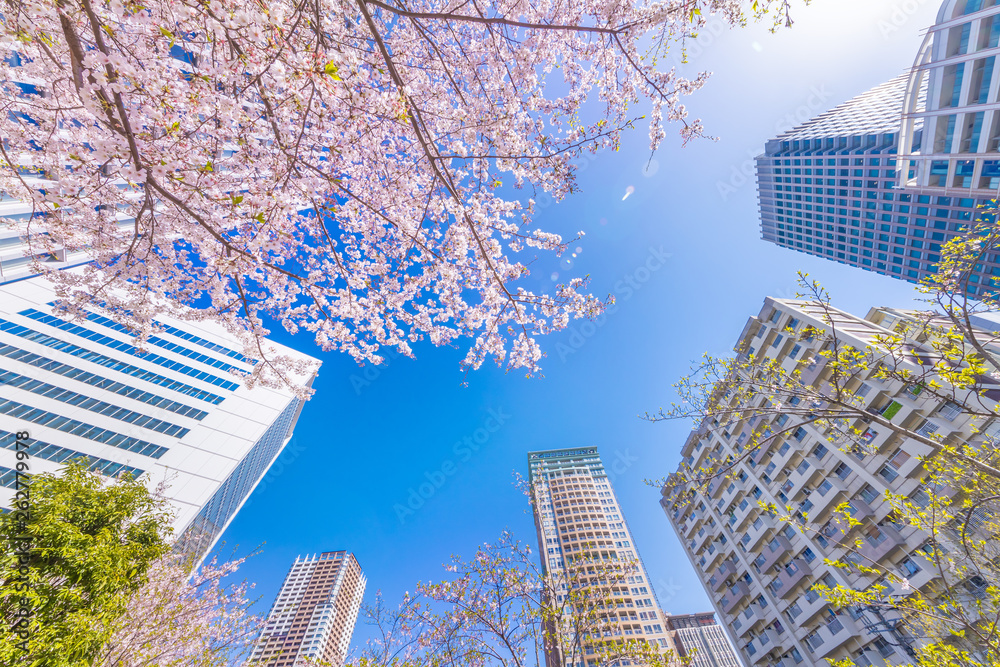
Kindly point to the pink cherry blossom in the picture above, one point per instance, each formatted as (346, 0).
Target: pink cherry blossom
(362, 170)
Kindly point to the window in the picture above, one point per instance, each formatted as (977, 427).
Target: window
(958, 40)
(950, 411)
(868, 494)
(908, 567)
(951, 87)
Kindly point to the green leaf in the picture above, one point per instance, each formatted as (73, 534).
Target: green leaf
(332, 70)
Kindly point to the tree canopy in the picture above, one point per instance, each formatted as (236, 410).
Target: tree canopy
(346, 167)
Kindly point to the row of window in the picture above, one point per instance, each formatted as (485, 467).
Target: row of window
(162, 342)
(108, 362)
(38, 361)
(116, 344)
(92, 404)
(43, 450)
(190, 337)
(75, 427)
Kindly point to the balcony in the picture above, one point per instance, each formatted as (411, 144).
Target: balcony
(766, 642)
(761, 452)
(703, 536)
(837, 530)
(883, 542)
(773, 551)
(829, 494)
(712, 559)
(724, 572)
(792, 575)
(928, 572)
(737, 592)
(809, 605)
(761, 527)
(728, 494)
(749, 619)
(780, 458)
(813, 369)
(800, 477)
(831, 636)
(741, 515)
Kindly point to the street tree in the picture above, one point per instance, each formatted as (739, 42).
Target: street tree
(182, 619)
(501, 608)
(73, 555)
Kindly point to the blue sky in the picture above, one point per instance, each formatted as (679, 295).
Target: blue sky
(371, 436)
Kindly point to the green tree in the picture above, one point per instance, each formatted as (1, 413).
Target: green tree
(92, 542)
(943, 603)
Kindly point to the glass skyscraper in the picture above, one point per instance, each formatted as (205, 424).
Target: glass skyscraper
(884, 180)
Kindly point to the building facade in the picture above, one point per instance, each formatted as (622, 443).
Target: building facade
(315, 612)
(174, 413)
(577, 513)
(700, 638)
(883, 181)
(759, 570)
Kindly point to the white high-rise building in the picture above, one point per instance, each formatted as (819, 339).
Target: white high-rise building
(314, 613)
(702, 640)
(761, 572)
(577, 515)
(174, 413)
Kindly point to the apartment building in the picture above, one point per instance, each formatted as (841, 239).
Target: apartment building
(882, 181)
(315, 612)
(702, 640)
(577, 514)
(758, 570)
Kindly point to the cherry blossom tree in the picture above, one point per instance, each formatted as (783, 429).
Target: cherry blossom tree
(349, 168)
(180, 619)
(499, 608)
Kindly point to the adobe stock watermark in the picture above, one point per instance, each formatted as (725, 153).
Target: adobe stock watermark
(289, 454)
(625, 289)
(666, 590)
(899, 15)
(744, 173)
(620, 464)
(692, 47)
(372, 372)
(463, 451)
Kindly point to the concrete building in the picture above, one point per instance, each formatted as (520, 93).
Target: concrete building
(883, 181)
(314, 613)
(577, 513)
(173, 414)
(759, 570)
(700, 638)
